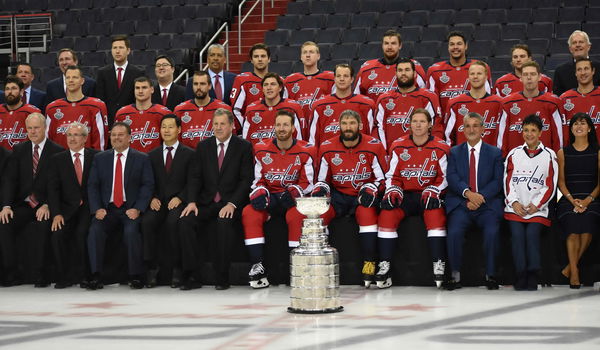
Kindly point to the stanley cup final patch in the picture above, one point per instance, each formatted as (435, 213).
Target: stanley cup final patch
(254, 90)
(58, 115)
(328, 111)
(569, 105)
(463, 110)
(405, 156)
(336, 160)
(515, 109)
(186, 118)
(444, 78)
(390, 105)
(267, 159)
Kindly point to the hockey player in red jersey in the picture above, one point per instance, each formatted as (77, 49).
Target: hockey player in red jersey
(351, 170)
(284, 170)
(378, 76)
(584, 98)
(450, 78)
(143, 117)
(510, 83)
(76, 107)
(415, 183)
(312, 84)
(530, 101)
(13, 113)
(197, 114)
(325, 118)
(475, 100)
(394, 108)
(259, 121)
(247, 86)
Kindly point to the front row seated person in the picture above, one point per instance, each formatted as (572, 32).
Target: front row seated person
(415, 182)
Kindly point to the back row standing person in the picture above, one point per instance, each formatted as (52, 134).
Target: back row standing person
(13, 114)
(564, 75)
(166, 92)
(57, 88)
(221, 81)
(511, 82)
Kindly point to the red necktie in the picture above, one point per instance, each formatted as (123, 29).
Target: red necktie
(164, 97)
(78, 168)
(119, 77)
(472, 172)
(118, 189)
(24, 97)
(169, 159)
(35, 160)
(218, 89)
(221, 157)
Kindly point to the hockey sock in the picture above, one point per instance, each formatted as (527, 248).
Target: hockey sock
(437, 247)
(387, 246)
(255, 252)
(368, 242)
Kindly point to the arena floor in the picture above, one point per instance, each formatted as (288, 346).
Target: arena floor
(240, 318)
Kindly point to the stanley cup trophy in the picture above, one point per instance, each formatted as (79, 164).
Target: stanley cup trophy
(314, 267)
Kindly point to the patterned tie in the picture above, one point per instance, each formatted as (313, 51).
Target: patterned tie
(218, 89)
(221, 157)
(164, 97)
(169, 159)
(119, 77)
(472, 172)
(35, 160)
(78, 168)
(24, 97)
(118, 189)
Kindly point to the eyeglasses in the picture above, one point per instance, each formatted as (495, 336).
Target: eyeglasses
(75, 135)
(160, 65)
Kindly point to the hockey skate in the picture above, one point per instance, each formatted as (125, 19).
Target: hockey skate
(382, 277)
(368, 271)
(258, 276)
(439, 268)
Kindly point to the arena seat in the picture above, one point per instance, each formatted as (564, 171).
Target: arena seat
(147, 27)
(300, 36)
(288, 22)
(298, 8)
(364, 20)
(442, 16)
(322, 7)
(277, 37)
(472, 16)
(87, 44)
(516, 31)
(416, 18)
(312, 21)
(488, 31)
(427, 48)
(328, 36)
(354, 35)
(341, 20)
(564, 29)
(539, 30)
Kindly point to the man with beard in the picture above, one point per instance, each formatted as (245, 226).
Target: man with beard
(143, 117)
(284, 170)
(475, 100)
(511, 82)
(196, 114)
(377, 76)
(394, 108)
(352, 170)
(259, 120)
(13, 114)
(77, 107)
(326, 112)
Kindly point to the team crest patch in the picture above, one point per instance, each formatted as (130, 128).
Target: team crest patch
(444, 78)
(58, 115)
(328, 111)
(267, 159)
(127, 120)
(295, 88)
(186, 118)
(405, 156)
(257, 118)
(569, 105)
(390, 105)
(506, 90)
(372, 76)
(254, 90)
(515, 109)
(463, 110)
(337, 160)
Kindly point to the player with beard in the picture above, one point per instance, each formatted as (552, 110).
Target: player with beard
(259, 121)
(143, 117)
(415, 183)
(284, 170)
(352, 171)
(77, 107)
(13, 113)
(325, 118)
(197, 114)
(394, 108)
(475, 100)
(511, 82)
(377, 76)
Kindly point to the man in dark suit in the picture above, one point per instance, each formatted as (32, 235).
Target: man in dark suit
(31, 95)
(218, 192)
(56, 88)
(474, 195)
(564, 75)
(120, 187)
(69, 208)
(222, 81)
(25, 200)
(115, 81)
(166, 92)
(172, 165)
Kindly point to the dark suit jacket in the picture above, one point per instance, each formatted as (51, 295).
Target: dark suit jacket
(138, 180)
(64, 191)
(18, 181)
(38, 99)
(234, 179)
(490, 171)
(228, 77)
(55, 89)
(107, 91)
(176, 96)
(175, 183)
(4, 156)
(564, 77)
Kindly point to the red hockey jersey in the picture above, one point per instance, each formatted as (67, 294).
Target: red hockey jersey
(510, 83)
(489, 107)
(413, 168)
(325, 122)
(516, 107)
(347, 169)
(247, 89)
(574, 102)
(196, 121)
(89, 111)
(12, 124)
(376, 78)
(259, 123)
(276, 169)
(393, 110)
(307, 89)
(145, 125)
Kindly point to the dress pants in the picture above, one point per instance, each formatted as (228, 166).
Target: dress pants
(161, 222)
(526, 245)
(99, 229)
(70, 247)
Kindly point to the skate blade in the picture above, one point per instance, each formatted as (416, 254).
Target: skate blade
(384, 284)
(259, 284)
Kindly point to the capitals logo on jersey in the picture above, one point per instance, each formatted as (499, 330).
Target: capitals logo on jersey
(145, 135)
(144, 124)
(489, 107)
(197, 120)
(12, 124)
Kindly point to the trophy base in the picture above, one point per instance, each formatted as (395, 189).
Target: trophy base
(324, 311)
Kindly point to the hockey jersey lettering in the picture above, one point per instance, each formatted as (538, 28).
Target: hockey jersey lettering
(145, 125)
(510, 83)
(376, 78)
(12, 124)
(196, 121)
(489, 107)
(259, 122)
(574, 102)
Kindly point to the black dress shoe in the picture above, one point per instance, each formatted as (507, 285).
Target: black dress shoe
(136, 283)
(95, 283)
(491, 283)
(12, 280)
(84, 283)
(41, 283)
(574, 286)
(151, 278)
(62, 285)
(176, 278)
(451, 285)
(191, 283)
(521, 282)
(532, 282)
(222, 286)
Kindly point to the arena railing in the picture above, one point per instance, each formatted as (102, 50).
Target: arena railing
(32, 33)
(6, 34)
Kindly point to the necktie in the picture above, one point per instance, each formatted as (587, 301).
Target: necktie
(472, 172)
(78, 168)
(220, 158)
(218, 89)
(24, 97)
(35, 160)
(169, 159)
(119, 77)
(164, 97)
(118, 188)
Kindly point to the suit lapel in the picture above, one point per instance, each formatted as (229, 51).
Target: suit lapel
(87, 162)
(129, 164)
(212, 154)
(231, 148)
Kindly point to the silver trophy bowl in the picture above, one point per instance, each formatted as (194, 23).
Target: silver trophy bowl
(312, 207)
